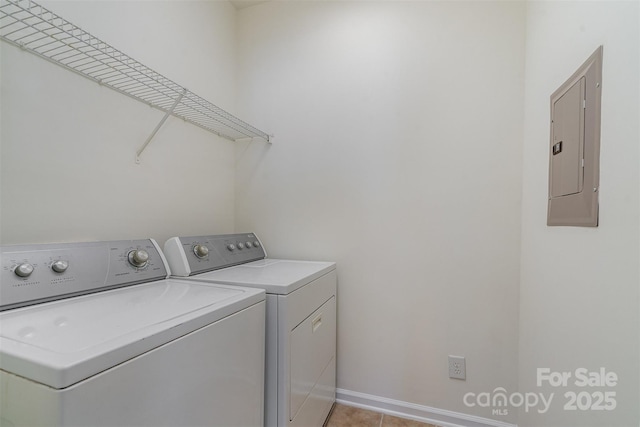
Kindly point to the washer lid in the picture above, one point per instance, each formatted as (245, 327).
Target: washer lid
(63, 342)
(276, 276)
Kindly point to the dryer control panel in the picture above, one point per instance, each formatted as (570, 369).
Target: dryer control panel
(31, 274)
(197, 254)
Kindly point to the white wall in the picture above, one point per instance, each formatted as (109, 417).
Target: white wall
(68, 145)
(579, 303)
(398, 153)
(398, 135)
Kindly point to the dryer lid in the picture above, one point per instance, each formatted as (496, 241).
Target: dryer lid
(276, 276)
(64, 342)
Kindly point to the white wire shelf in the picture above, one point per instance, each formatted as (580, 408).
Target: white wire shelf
(34, 28)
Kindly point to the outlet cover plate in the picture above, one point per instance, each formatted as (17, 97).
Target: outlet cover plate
(457, 367)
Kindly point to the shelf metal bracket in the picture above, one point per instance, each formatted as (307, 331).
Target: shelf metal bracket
(164, 119)
(268, 139)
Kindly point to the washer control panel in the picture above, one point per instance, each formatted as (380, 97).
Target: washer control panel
(31, 274)
(196, 254)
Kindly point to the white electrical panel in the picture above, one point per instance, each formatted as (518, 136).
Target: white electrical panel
(574, 149)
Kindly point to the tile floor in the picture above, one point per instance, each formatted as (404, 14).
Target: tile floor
(348, 416)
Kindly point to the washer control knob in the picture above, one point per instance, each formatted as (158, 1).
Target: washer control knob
(248, 245)
(201, 251)
(240, 245)
(60, 266)
(231, 247)
(256, 244)
(24, 270)
(138, 258)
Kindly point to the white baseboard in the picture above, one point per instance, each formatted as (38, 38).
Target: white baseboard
(425, 414)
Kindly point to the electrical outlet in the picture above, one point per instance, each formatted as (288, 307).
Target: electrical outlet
(457, 367)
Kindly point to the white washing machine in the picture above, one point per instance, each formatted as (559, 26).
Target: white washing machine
(301, 318)
(94, 334)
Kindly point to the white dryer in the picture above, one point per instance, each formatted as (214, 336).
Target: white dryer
(301, 318)
(94, 334)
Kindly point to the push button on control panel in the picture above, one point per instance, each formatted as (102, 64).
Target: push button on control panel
(243, 245)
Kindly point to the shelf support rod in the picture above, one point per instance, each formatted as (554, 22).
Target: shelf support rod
(164, 119)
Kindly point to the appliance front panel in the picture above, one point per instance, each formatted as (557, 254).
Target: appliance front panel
(313, 347)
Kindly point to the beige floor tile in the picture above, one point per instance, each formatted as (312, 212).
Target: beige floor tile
(391, 421)
(347, 416)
